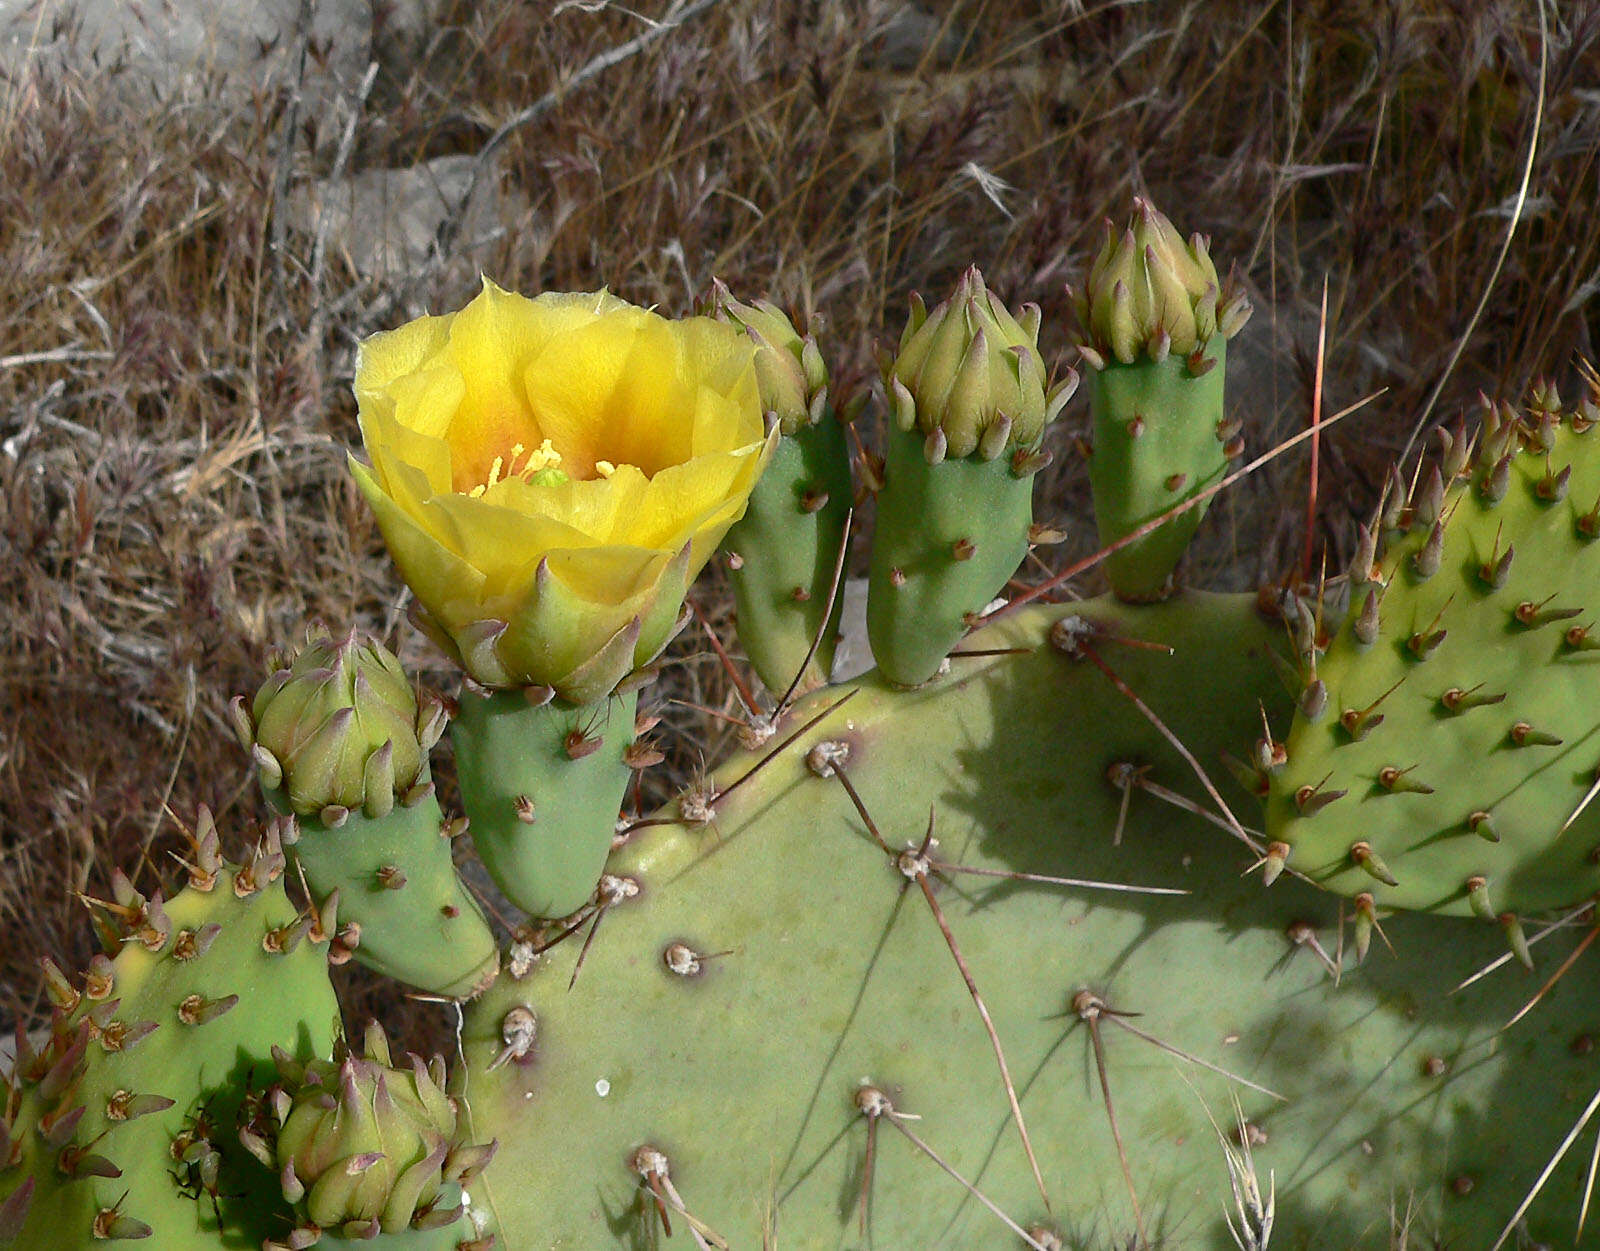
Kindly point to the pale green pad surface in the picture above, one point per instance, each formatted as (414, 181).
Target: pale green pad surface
(837, 972)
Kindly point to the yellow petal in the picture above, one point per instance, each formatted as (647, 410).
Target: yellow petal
(502, 544)
(447, 585)
(682, 500)
(613, 390)
(392, 355)
(721, 359)
(406, 424)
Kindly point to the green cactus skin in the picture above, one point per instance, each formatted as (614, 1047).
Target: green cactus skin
(784, 553)
(1159, 439)
(948, 537)
(543, 786)
(744, 1069)
(201, 970)
(1447, 794)
(396, 880)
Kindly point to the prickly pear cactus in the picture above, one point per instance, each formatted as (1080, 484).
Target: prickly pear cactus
(339, 740)
(774, 1040)
(1445, 745)
(121, 1125)
(784, 554)
(1158, 320)
(970, 401)
(984, 950)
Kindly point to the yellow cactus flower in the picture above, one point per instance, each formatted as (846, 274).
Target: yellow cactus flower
(551, 473)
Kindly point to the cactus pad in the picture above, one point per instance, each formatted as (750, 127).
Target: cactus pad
(1441, 761)
(121, 1122)
(753, 1030)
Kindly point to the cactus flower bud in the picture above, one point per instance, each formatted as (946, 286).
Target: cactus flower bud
(337, 727)
(550, 474)
(1149, 292)
(969, 376)
(790, 372)
(363, 1147)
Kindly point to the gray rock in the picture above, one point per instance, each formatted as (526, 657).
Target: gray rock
(213, 49)
(382, 222)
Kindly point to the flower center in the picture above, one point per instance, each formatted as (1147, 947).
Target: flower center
(542, 467)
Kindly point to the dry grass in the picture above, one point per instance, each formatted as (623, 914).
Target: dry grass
(174, 403)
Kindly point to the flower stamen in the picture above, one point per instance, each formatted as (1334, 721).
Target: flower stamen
(542, 459)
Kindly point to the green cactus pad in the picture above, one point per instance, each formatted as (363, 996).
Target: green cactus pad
(397, 881)
(949, 536)
(774, 960)
(542, 785)
(1159, 439)
(784, 553)
(158, 1046)
(1458, 734)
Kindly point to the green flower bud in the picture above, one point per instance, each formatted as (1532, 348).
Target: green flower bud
(1150, 293)
(969, 376)
(363, 1147)
(790, 372)
(339, 727)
